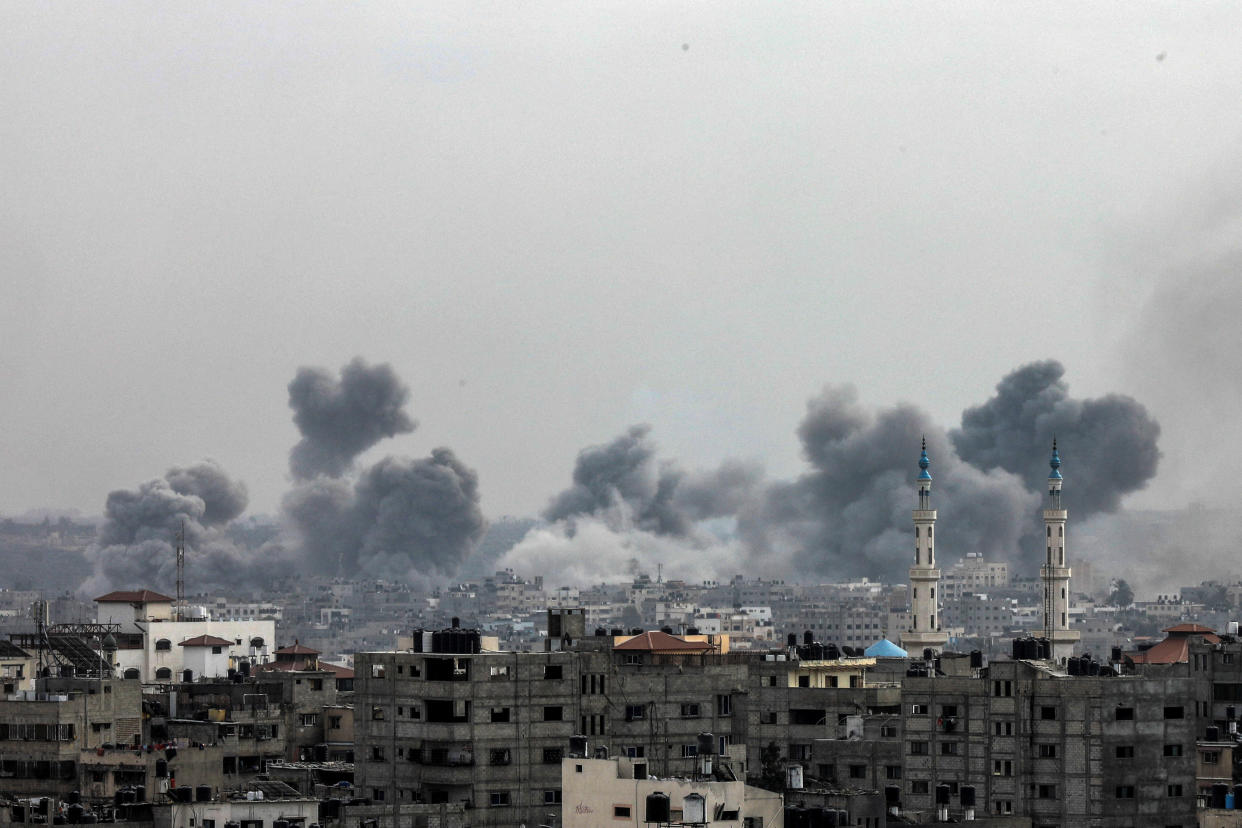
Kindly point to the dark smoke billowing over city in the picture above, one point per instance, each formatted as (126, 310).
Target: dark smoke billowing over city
(627, 509)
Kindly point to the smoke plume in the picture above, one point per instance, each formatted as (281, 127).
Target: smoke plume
(135, 545)
(1112, 440)
(848, 515)
(341, 418)
(401, 518)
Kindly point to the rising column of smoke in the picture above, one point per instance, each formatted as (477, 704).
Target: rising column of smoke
(849, 516)
(135, 544)
(401, 518)
(1112, 439)
(339, 418)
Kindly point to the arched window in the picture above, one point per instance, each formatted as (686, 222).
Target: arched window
(256, 643)
(916, 531)
(132, 673)
(1060, 531)
(163, 674)
(1049, 531)
(929, 531)
(163, 644)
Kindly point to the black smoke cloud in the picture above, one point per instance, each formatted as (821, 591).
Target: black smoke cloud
(400, 518)
(403, 518)
(848, 515)
(135, 545)
(341, 418)
(1112, 440)
(656, 496)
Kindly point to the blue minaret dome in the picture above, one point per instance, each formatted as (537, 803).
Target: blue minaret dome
(1055, 462)
(924, 462)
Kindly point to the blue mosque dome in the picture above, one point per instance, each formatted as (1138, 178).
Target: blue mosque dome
(924, 462)
(1055, 462)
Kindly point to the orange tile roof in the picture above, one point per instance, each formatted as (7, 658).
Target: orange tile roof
(133, 596)
(656, 641)
(296, 649)
(1176, 648)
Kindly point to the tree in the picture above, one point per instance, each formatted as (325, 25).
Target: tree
(1122, 595)
(771, 768)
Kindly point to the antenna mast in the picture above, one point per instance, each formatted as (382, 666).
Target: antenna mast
(180, 613)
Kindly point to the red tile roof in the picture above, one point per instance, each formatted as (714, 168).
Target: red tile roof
(1176, 648)
(206, 641)
(133, 596)
(297, 649)
(655, 641)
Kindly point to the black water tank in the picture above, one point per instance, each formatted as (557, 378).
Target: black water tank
(666, 630)
(892, 795)
(692, 630)
(827, 817)
(1213, 733)
(245, 669)
(707, 744)
(118, 798)
(73, 798)
(808, 638)
(967, 793)
(928, 653)
(792, 638)
(578, 746)
(1072, 666)
(657, 808)
(187, 676)
(170, 753)
(45, 805)
(616, 631)
(89, 819)
(280, 823)
(796, 817)
(129, 796)
(416, 642)
(636, 631)
(1219, 791)
(202, 793)
(140, 793)
(817, 652)
(1017, 649)
(161, 768)
(1231, 712)
(944, 794)
(600, 632)
(73, 814)
(976, 659)
(831, 652)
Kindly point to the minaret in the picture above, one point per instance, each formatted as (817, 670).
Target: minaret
(924, 630)
(1054, 573)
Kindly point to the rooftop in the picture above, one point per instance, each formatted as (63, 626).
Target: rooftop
(133, 596)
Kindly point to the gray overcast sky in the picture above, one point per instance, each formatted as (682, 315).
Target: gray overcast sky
(555, 220)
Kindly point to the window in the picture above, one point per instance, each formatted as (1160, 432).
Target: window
(163, 673)
(1176, 712)
(552, 756)
(377, 794)
(377, 753)
(1172, 750)
(552, 671)
(634, 712)
(1125, 714)
(918, 748)
(1002, 768)
(948, 748)
(767, 717)
(498, 799)
(1003, 806)
(1048, 713)
(1173, 790)
(858, 771)
(724, 705)
(1002, 728)
(377, 714)
(1209, 757)
(620, 811)
(888, 731)
(918, 786)
(1047, 751)
(498, 672)
(552, 796)
(632, 658)
(948, 710)
(918, 710)
(1124, 792)
(163, 644)
(688, 751)
(308, 719)
(1046, 791)
(892, 771)
(500, 714)
(689, 711)
(553, 714)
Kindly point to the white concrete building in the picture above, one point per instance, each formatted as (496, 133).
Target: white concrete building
(151, 648)
(603, 793)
